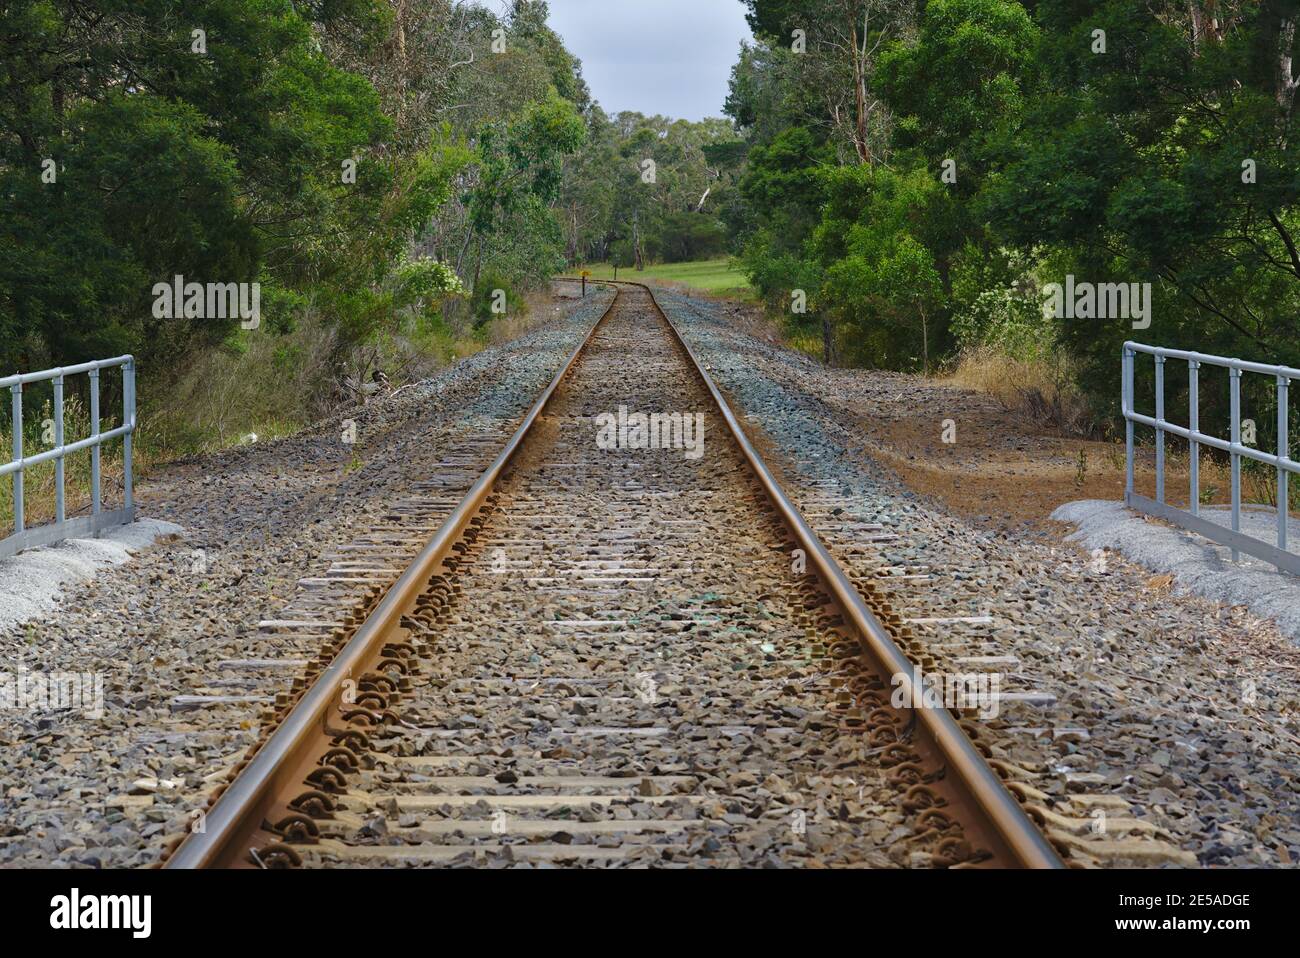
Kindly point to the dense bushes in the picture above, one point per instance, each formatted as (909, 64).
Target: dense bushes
(925, 182)
(301, 147)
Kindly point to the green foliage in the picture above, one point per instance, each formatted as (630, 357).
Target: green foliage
(683, 237)
(994, 305)
(528, 26)
(282, 308)
(784, 188)
(422, 281)
(776, 274)
(783, 184)
(924, 170)
(1132, 168)
(493, 298)
(140, 195)
(961, 80)
(518, 165)
(881, 280)
(613, 210)
(427, 183)
(218, 164)
(365, 163)
(773, 19)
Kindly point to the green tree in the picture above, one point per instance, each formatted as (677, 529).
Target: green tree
(133, 148)
(882, 283)
(1165, 159)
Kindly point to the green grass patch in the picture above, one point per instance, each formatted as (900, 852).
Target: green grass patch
(720, 276)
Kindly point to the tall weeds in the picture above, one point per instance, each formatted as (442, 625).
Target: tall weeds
(1041, 387)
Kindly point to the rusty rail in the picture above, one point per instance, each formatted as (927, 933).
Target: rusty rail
(241, 808)
(984, 789)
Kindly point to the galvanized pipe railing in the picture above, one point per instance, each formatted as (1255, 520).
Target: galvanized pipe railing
(62, 527)
(1281, 461)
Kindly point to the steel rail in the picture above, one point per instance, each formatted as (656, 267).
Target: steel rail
(1022, 838)
(239, 811)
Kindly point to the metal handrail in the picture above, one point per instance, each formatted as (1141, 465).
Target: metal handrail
(1224, 361)
(1280, 460)
(63, 528)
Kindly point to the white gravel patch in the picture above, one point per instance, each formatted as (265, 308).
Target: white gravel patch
(1198, 565)
(32, 582)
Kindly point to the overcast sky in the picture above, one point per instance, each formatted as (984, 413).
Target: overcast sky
(672, 57)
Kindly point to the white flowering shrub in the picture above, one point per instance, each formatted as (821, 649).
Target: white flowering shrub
(425, 280)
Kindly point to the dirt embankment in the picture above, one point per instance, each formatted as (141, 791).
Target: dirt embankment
(983, 457)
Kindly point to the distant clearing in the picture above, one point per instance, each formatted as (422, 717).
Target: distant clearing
(710, 275)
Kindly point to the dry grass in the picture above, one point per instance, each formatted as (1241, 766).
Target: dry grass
(1258, 483)
(539, 306)
(810, 343)
(1041, 388)
(266, 385)
(259, 384)
(1043, 392)
(273, 385)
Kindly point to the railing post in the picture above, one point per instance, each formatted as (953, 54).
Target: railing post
(17, 390)
(128, 419)
(1160, 432)
(1234, 377)
(94, 450)
(59, 506)
(1194, 426)
(1126, 402)
(1283, 452)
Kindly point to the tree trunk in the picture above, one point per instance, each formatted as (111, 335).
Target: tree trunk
(925, 345)
(859, 96)
(464, 247)
(1286, 81)
(399, 25)
(1212, 25)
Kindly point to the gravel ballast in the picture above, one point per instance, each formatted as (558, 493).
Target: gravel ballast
(32, 582)
(1182, 709)
(1197, 564)
(103, 792)
(1151, 728)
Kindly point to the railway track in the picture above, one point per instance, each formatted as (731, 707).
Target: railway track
(616, 655)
